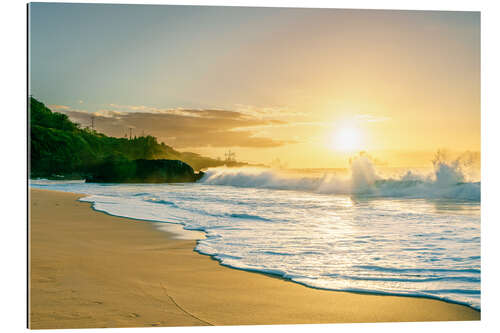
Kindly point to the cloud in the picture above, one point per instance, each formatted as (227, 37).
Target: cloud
(58, 108)
(180, 128)
(211, 113)
(267, 112)
(108, 113)
(371, 119)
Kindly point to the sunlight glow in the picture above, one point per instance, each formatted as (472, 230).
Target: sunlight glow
(347, 139)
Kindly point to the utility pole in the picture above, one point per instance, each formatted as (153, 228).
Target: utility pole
(230, 156)
(92, 119)
(130, 130)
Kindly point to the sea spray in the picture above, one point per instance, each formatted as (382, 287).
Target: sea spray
(363, 175)
(447, 181)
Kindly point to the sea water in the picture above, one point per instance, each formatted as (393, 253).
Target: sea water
(407, 235)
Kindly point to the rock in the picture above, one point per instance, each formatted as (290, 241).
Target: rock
(143, 171)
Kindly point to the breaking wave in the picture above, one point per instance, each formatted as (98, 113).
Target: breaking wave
(447, 181)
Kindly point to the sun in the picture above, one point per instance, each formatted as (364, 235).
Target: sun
(347, 139)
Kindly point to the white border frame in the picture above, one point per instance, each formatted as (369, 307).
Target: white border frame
(13, 165)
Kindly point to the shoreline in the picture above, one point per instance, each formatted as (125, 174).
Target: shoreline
(360, 292)
(177, 231)
(78, 254)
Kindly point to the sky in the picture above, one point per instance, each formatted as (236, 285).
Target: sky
(311, 87)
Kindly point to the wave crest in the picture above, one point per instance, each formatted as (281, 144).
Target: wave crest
(447, 181)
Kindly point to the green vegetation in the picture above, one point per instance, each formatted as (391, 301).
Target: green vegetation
(61, 149)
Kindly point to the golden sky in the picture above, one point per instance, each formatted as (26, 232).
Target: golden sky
(308, 86)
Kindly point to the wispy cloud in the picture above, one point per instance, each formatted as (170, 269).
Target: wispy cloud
(371, 118)
(176, 111)
(279, 123)
(56, 107)
(108, 113)
(267, 112)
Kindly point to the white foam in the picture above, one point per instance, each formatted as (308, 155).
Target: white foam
(448, 181)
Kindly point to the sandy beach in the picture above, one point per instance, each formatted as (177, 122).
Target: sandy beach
(91, 270)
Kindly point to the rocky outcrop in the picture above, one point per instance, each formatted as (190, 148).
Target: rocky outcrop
(143, 171)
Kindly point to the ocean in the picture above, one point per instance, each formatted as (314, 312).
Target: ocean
(410, 233)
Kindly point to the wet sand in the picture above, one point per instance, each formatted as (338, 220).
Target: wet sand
(89, 269)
